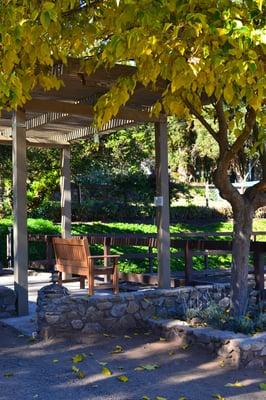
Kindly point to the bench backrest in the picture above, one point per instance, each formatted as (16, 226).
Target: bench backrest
(71, 254)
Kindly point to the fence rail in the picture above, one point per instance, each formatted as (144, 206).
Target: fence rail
(188, 244)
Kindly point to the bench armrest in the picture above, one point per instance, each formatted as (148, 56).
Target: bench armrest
(102, 257)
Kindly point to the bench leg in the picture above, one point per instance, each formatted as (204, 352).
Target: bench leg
(115, 279)
(82, 282)
(60, 279)
(90, 281)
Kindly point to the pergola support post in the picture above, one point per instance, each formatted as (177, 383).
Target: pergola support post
(65, 188)
(162, 203)
(20, 211)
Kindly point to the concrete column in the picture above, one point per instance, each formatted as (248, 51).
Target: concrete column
(20, 211)
(65, 188)
(162, 203)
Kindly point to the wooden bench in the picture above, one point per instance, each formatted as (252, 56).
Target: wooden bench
(73, 257)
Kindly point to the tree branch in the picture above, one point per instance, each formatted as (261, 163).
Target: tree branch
(250, 119)
(252, 192)
(259, 201)
(200, 118)
(223, 125)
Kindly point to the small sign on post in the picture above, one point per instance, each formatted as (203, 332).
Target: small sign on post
(158, 201)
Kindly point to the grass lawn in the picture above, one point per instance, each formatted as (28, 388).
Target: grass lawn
(37, 250)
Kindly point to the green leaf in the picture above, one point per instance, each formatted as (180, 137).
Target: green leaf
(160, 398)
(146, 367)
(8, 374)
(122, 378)
(262, 386)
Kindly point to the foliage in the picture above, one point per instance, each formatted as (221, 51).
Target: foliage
(219, 318)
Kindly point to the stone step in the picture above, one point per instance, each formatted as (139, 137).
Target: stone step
(234, 349)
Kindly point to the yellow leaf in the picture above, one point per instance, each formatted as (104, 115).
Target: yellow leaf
(162, 339)
(79, 374)
(209, 88)
(222, 364)
(160, 398)
(182, 398)
(218, 396)
(146, 398)
(228, 93)
(185, 347)
(122, 378)
(106, 371)
(127, 337)
(117, 349)
(235, 384)
(78, 358)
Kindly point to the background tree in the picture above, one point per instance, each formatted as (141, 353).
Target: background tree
(210, 53)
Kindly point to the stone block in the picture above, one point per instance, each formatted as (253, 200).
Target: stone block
(132, 307)
(77, 324)
(105, 305)
(92, 328)
(118, 310)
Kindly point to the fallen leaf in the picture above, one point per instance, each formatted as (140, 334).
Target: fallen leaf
(146, 398)
(185, 347)
(262, 386)
(8, 374)
(182, 398)
(154, 317)
(221, 363)
(36, 396)
(171, 353)
(107, 335)
(122, 378)
(127, 337)
(147, 333)
(135, 334)
(102, 363)
(94, 386)
(117, 349)
(138, 369)
(55, 361)
(146, 367)
(78, 358)
(160, 398)
(79, 374)
(218, 396)
(235, 384)
(106, 371)
(162, 339)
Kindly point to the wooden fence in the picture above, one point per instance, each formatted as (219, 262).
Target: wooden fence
(188, 244)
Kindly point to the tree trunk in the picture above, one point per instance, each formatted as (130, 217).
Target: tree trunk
(243, 218)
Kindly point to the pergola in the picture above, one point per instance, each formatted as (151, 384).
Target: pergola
(59, 119)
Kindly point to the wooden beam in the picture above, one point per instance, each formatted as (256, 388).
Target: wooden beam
(20, 212)
(162, 204)
(65, 187)
(85, 110)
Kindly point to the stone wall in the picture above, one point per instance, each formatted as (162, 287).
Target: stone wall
(234, 349)
(7, 302)
(62, 314)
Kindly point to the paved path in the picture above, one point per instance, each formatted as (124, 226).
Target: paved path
(192, 373)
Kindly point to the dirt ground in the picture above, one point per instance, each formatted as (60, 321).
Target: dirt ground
(43, 370)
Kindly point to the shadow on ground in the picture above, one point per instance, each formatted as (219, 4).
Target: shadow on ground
(43, 370)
